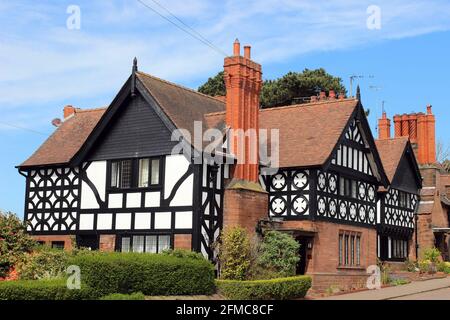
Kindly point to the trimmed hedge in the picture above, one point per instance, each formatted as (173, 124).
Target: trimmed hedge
(273, 289)
(121, 296)
(54, 289)
(151, 274)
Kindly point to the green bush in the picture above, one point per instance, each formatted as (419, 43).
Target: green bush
(43, 263)
(444, 266)
(432, 254)
(151, 274)
(181, 253)
(278, 253)
(234, 254)
(48, 289)
(273, 289)
(424, 266)
(121, 296)
(15, 243)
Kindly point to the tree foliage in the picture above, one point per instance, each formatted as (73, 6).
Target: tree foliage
(15, 243)
(288, 89)
(214, 86)
(234, 254)
(278, 252)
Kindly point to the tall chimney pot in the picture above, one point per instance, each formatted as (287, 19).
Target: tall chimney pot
(247, 52)
(236, 48)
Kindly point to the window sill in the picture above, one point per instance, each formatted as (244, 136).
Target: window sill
(350, 268)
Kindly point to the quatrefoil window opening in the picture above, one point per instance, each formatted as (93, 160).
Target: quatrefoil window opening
(300, 180)
(279, 181)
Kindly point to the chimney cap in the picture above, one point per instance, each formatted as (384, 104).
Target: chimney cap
(247, 50)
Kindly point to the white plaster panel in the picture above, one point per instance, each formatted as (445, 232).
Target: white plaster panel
(183, 197)
(183, 220)
(87, 221)
(104, 221)
(163, 220)
(142, 220)
(176, 166)
(152, 199)
(88, 200)
(123, 221)
(115, 200)
(133, 200)
(96, 172)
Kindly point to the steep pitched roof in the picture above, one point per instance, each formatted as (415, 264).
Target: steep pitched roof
(308, 132)
(391, 151)
(67, 139)
(182, 105)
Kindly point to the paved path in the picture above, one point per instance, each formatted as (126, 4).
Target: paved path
(413, 290)
(440, 294)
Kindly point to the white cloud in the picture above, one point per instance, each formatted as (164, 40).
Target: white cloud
(44, 63)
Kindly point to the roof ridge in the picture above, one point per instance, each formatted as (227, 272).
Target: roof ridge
(214, 113)
(308, 104)
(180, 86)
(78, 110)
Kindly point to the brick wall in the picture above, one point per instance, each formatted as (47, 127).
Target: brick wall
(244, 207)
(67, 239)
(323, 264)
(182, 241)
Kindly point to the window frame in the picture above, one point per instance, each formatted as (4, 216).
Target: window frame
(134, 179)
(349, 249)
(145, 235)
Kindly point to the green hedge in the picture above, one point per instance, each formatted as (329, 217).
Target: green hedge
(151, 274)
(121, 296)
(54, 289)
(277, 289)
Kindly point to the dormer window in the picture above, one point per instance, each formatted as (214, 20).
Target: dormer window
(135, 173)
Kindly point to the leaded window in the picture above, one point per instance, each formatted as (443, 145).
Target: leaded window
(145, 243)
(349, 249)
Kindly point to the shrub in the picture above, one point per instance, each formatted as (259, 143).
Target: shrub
(399, 282)
(234, 254)
(278, 253)
(151, 274)
(411, 266)
(181, 253)
(121, 296)
(54, 289)
(278, 289)
(444, 266)
(424, 266)
(432, 254)
(14, 242)
(43, 263)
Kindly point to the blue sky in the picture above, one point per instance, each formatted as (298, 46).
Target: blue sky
(44, 65)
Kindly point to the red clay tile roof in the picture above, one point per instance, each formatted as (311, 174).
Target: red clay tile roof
(308, 132)
(391, 151)
(67, 139)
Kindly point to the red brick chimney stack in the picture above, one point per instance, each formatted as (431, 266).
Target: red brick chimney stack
(68, 111)
(243, 84)
(384, 127)
(420, 128)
